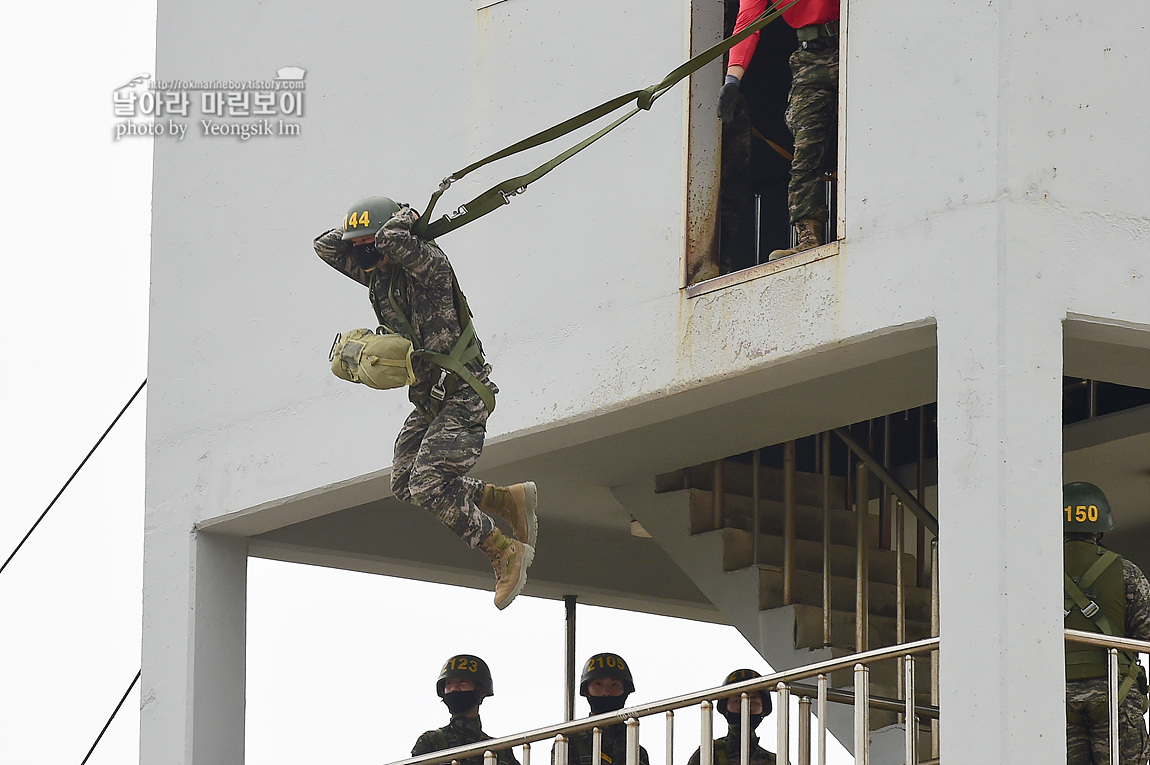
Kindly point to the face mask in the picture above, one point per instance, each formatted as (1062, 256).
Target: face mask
(734, 720)
(459, 702)
(365, 255)
(601, 704)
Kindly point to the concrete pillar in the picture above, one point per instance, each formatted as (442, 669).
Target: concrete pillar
(1000, 475)
(194, 648)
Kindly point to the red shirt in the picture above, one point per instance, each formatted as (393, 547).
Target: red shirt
(800, 14)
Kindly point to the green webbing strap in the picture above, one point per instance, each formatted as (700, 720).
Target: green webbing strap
(466, 348)
(397, 295)
(1088, 607)
(440, 740)
(499, 195)
(1074, 590)
(1105, 559)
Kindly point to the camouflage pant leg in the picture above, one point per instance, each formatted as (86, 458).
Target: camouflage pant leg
(437, 480)
(1088, 737)
(406, 445)
(812, 116)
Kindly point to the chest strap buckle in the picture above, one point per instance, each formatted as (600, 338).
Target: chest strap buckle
(438, 392)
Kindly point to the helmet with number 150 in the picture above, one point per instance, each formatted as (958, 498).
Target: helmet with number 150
(606, 665)
(464, 666)
(367, 216)
(1085, 509)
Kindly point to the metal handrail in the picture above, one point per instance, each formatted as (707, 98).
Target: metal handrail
(1105, 641)
(1112, 646)
(925, 516)
(764, 684)
(846, 696)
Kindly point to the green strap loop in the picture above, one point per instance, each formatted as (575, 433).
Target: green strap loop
(498, 195)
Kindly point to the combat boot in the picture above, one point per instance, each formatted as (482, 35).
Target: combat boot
(510, 559)
(515, 504)
(810, 233)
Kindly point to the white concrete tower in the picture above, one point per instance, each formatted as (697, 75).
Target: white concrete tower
(994, 220)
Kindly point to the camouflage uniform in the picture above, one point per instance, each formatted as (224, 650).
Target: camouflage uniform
(579, 747)
(1090, 744)
(459, 732)
(433, 454)
(812, 116)
(730, 747)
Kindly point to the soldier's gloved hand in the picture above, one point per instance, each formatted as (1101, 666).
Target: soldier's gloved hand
(728, 97)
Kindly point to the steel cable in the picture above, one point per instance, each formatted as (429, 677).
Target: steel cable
(74, 474)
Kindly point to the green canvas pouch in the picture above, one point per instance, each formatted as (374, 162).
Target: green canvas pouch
(380, 360)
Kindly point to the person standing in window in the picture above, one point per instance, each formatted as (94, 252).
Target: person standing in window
(812, 105)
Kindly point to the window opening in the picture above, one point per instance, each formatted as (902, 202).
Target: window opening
(755, 156)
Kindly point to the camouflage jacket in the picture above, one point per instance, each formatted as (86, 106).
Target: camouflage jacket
(614, 750)
(1137, 601)
(458, 732)
(429, 292)
(727, 749)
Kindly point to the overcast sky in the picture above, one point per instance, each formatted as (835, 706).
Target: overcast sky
(341, 665)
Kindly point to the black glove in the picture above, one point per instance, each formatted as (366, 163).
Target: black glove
(728, 97)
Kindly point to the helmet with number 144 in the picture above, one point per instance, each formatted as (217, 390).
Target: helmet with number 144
(366, 217)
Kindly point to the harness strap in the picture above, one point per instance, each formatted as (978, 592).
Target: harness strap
(466, 349)
(1090, 609)
(1097, 568)
(498, 195)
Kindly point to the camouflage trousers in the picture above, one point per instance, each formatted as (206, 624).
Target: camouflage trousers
(812, 116)
(1088, 729)
(432, 459)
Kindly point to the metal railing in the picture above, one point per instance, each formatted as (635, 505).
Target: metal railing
(1113, 646)
(785, 684)
(895, 525)
(894, 500)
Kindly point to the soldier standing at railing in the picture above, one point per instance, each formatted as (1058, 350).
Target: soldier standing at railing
(606, 683)
(728, 750)
(464, 682)
(1108, 594)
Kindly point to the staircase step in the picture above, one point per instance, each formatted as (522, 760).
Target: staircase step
(738, 552)
(737, 513)
(738, 478)
(808, 590)
(882, 630)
